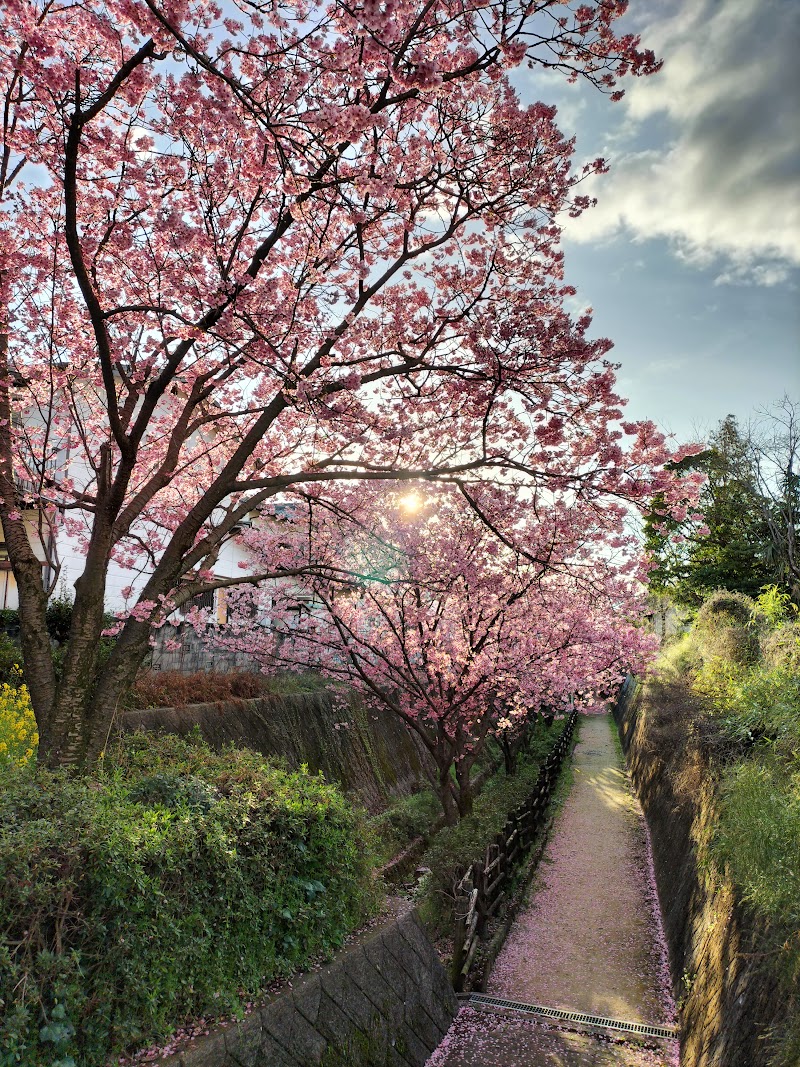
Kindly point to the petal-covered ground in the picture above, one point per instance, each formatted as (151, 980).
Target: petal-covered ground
(590, 939)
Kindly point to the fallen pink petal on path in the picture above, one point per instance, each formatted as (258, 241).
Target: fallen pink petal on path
(590, 939)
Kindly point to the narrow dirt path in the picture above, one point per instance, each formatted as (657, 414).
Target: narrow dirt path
(590, 939)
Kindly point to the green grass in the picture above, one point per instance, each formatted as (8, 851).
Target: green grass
(566, 777)
(759, 837)
(756, 710)
(617, 741)
(406, 819)
(290, 683)
(752, 716)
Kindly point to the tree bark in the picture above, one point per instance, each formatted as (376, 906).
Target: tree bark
(465, 796)
(73, 713)
(26, 567)
(444, 791)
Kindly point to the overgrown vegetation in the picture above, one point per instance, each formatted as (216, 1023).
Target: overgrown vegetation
(741, 659)
(170, 886)
(455, 847)
(405, 820)
(172, 689)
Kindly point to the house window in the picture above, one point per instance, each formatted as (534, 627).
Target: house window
(201, 600)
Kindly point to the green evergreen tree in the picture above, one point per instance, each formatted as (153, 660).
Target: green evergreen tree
(736, 553)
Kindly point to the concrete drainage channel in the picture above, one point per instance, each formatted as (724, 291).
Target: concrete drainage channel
(594, 1021)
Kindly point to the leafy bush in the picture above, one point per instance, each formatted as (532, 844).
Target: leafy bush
(59, 617)
(174, 791)
(10, 661)
(408, 818)
(775, 606)
(168, 887)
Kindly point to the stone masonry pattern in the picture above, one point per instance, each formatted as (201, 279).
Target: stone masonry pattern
(384, 1002)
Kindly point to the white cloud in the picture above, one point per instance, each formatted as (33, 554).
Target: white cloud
(723, 189)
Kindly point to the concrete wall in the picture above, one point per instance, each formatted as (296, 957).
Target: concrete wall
(368, 753)
(728, 994)
(195, 652)
(383, 1002)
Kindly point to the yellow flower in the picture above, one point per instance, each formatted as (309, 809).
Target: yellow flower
(18, 734)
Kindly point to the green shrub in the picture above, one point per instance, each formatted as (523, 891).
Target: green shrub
(408, 818)
(167, 888)
(775, 606)
(757, 704)
(726, 628)
(59, 617)
(174, 791)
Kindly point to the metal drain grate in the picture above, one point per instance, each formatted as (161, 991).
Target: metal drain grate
(569, 1016)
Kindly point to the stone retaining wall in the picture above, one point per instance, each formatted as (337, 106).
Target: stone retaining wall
(369, 753)
(728, 996)
(385, 1001)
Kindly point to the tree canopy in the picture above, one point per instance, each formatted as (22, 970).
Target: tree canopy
(269, 250)
(441, 622)
(742, 535)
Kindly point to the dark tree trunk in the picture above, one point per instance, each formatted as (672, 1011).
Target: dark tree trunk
(25, 565)
(509, 750)
(445, 793)
(465, 796)
(72, 718)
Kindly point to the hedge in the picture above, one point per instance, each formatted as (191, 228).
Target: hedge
(170, 886)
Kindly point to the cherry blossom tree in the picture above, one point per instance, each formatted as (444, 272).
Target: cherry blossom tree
(442, 620)
(275, 246)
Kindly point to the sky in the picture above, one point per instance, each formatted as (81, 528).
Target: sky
(691, 258)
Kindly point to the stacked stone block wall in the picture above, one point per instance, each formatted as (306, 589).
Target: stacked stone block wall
(366, 752)
(385, 1001)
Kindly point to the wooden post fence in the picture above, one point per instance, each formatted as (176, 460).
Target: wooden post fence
(482, 889)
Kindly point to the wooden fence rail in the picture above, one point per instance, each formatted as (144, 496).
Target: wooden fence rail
(482, 889)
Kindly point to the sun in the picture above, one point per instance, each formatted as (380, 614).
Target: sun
(411, 503)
